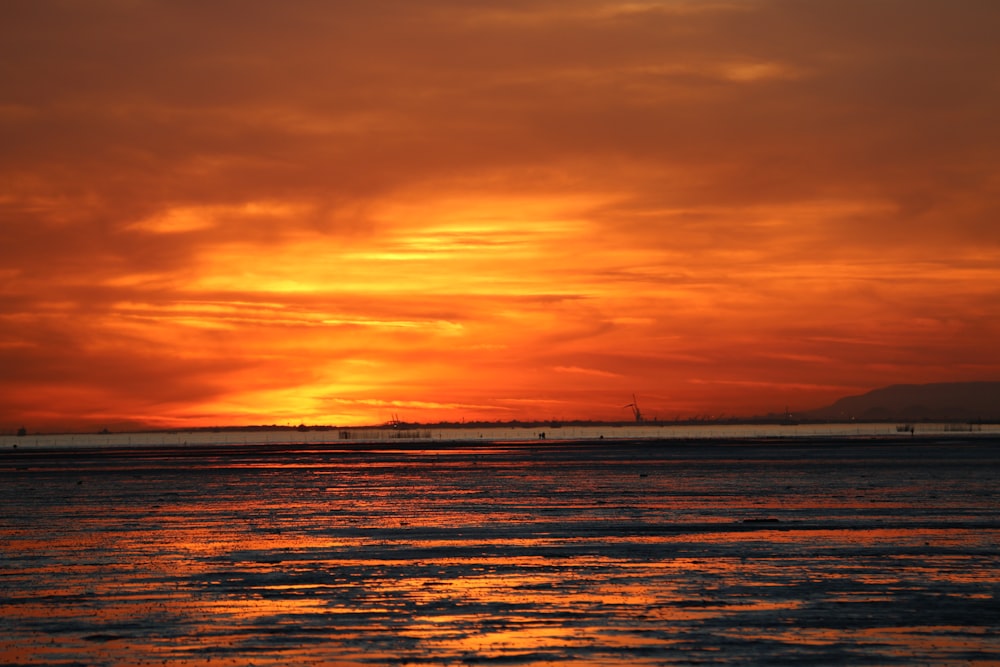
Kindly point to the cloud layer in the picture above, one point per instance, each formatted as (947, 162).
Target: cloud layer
(250, 212)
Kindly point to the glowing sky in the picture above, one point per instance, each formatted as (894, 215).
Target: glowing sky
(256, 212)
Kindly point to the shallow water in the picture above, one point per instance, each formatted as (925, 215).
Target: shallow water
(431, 436)
(613, 553)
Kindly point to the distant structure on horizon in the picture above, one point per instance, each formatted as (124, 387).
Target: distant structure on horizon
(636, 412)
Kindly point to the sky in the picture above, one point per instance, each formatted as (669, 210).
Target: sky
(222, 212)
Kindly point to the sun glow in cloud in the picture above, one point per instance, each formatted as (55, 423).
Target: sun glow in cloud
(336, 214)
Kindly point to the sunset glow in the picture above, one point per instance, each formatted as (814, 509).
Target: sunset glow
(335, 213)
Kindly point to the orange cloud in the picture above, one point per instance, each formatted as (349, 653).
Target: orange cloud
(338, 213)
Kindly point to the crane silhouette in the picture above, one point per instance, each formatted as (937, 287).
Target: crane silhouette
(635, 409)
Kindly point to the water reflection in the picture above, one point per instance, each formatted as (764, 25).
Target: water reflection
(594, 555)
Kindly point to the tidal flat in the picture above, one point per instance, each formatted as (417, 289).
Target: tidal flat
(635, 552)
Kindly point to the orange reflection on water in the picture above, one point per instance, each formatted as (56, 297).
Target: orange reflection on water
(526, 556)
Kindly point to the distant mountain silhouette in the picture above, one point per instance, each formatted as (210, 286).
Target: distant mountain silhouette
(946, 401)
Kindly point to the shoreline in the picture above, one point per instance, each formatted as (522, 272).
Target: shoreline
(12, 453)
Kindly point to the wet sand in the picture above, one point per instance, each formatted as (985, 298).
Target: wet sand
(826, 551)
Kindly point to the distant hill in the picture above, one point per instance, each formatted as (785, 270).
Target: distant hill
(945, 401)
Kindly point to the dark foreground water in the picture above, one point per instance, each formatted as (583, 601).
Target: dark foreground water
(837, 553)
